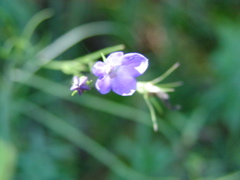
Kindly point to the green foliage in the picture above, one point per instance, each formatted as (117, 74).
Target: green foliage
(8, 160)
(45, 133)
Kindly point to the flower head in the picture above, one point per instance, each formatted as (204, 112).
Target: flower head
(118, 72)
(79, 84)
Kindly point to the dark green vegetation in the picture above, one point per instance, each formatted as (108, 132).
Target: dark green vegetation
(47, 134)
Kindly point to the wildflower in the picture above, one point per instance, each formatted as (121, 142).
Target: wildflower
(79, 84)
(118, 72)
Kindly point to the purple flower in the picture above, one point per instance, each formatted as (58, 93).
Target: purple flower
(118, 72)
(79, 84)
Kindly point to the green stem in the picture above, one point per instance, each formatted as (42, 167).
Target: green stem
(103, 57)
(171, 85)
(152, 112)
(156, 105)
(100, 53)
(166, 74)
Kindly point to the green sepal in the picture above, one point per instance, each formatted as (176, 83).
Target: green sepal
(74, 92)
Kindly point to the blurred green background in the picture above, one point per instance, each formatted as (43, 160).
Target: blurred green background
(46, 134)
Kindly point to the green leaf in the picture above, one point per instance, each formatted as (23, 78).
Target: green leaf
(7, 160)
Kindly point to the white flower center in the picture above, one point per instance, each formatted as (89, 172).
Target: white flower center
(108, 69)
(111, 70)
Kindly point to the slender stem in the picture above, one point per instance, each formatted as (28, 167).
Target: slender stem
(152, 112)
(172, 85)
(167, 89)
(166, 74)
(103, 57)
(156, 105)
(95, 55)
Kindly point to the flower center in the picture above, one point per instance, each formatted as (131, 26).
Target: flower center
(111, 71)
(108, 69)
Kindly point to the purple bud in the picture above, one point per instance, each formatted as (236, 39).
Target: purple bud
(79, 84)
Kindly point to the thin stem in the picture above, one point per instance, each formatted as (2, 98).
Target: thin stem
(103, 52)
(103, 57)
(152, 112)
(166, 89)
(172, 85)
(166, 74)
(156, 105)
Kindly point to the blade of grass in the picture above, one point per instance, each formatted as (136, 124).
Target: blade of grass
(34, 22)
(68, 40)
(8, 156)
(93, 102)
(81, 140)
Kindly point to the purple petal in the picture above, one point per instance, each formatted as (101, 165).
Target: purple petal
(124, 85)
(75, 80)
(85, 87)
(115, 59)
(103, 85)
(98, 69)
(74, 87)
(80, 91)
(134, 64)
(82, 80)
(79, 84)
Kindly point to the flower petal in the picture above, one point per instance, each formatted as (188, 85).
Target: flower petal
(115, 59)
(124, 85)
(82, 80)
(80, 91)
(79, 84)
(98, 69)
(75, 80)
(74, 87)
(103, 85)
(134, 64)
(85, 87)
